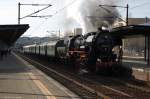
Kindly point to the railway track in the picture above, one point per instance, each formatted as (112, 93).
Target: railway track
(94, 87)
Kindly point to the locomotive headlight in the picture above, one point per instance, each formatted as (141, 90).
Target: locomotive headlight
(113, 49)
(82, 47)
(71, 53)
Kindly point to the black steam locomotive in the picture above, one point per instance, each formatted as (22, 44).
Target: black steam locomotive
(96, 50)
(104, 50)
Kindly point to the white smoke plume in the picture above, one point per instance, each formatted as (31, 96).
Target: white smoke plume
(90, 15)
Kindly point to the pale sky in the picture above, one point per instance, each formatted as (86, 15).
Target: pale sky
(40, 26)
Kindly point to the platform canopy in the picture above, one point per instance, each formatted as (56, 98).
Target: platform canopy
(10, 33)
(131, 30)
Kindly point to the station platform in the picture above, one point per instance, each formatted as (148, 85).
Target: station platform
(140, 69)
(21, 80)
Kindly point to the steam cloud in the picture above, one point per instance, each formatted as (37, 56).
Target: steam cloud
(92, 16)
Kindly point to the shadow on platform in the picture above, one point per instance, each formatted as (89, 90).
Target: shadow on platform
(12, 64)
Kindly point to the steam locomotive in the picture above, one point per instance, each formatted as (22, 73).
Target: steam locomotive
(104, 51)
(95, 50)
(68, 49)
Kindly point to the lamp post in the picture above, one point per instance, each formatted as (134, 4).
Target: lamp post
(126, 7)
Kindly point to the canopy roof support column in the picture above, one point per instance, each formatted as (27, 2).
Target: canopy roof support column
(147, 49)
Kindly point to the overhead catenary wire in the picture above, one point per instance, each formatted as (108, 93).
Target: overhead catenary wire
(58, 11)
(36, 12)
(112, 13)
(65, 7)
(143, 4)
(41, 16)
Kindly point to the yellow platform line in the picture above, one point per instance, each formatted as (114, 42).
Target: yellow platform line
(41, 86)
(38, 83)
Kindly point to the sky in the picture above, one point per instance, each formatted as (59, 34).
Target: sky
(62, 11)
